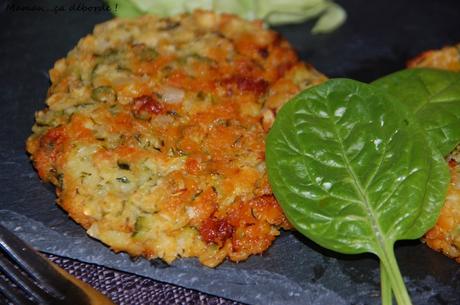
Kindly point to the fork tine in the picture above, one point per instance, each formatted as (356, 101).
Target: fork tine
(12, 294)
(30, 261)
(54, 281)
(17, 277)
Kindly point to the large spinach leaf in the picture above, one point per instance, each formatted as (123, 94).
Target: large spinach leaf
(434, 96)
(354, 172)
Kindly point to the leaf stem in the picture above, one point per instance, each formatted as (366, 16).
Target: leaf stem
(385, 286)
(391, 270)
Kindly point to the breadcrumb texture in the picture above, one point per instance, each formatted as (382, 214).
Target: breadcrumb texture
(154, 134)
(445, 236)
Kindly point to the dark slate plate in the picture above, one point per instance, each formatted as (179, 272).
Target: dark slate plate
(378, 38)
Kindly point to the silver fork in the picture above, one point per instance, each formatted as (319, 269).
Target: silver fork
(37, 280)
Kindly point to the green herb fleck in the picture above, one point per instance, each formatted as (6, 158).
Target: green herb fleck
(104, 94)
(123, 179)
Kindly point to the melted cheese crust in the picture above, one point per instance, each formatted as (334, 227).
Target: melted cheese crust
(154, 134)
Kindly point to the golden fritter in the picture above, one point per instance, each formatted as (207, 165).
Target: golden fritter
(446, 58)
(445, 236)
(154, 134)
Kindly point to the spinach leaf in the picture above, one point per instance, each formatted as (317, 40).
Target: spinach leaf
(354, 172)
(434, 96)
(274, 12)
